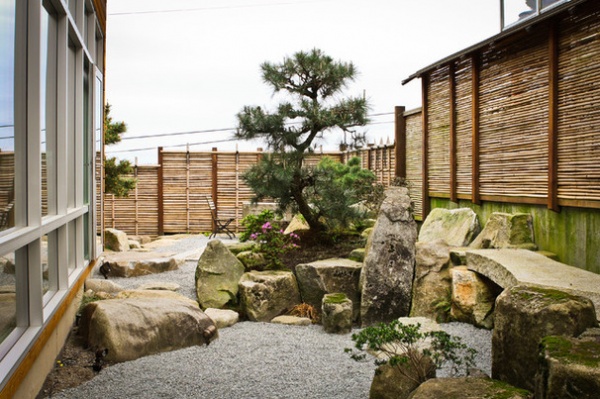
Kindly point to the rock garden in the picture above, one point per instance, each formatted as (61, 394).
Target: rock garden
(392, 295)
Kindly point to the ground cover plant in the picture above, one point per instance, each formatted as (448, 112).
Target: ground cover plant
(405, 347)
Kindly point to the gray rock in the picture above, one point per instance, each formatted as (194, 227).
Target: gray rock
(322, 277)
(337, 313)
(132, 328)
(396, 382)
(154, 294)
(357, 255)
(296, 224)
(523, 316)
(431, 287)
(508, 267)
(142, 267)
(389, 266)
(505, 230)
(116, 240)
(100, 285)
(238, 247)
(7, 265)
(217, 276)
(473, 298)
(253, 260)
(458, 227)
(292, 320)
(569, 366)
(223, 317)
(159, 285)
(133, 244)
(265, 295)
(467, 387)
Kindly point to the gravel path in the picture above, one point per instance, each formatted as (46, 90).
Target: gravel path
(249, 360)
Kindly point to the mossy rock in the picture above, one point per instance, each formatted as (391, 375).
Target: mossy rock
(241, 247)
(253, 260)
(357, 255)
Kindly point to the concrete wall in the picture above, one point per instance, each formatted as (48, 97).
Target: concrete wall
(573, 234)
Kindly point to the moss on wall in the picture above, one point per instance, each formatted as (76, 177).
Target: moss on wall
(573, 234)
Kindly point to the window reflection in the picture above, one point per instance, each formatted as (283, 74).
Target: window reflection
(8, 298)
(7, 111)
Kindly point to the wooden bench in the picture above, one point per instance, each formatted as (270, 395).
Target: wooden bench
(218, 225)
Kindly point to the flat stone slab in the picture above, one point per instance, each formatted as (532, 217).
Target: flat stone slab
(292, 320)
(510, 267)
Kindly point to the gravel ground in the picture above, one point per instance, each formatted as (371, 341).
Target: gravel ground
(250, 360)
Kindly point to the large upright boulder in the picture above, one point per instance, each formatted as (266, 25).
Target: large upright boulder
(217, 276)
(506, 230)
(116, 240)
(458, 227)
(265, 295)
(389, 266)
(523, 316)
(132, 328)
(315, 279)
(431, 288)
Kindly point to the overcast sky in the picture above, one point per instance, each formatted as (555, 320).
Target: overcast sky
(191, 65)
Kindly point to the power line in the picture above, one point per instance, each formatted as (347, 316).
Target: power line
(225, 129)
(212, 8)
(218, 141)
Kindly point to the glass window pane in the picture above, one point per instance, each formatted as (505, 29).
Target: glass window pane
(7, 111)
(8, 301)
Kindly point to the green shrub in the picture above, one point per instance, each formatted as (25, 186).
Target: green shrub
(403, 347)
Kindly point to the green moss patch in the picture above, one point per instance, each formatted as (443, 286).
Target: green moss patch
(336, 298)
(530, 293)
(502, 390)
(579, 351)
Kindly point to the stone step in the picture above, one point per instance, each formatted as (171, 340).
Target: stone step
(509, 267)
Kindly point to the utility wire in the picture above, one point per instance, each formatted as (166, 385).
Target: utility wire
(204, 142)
(227, 129)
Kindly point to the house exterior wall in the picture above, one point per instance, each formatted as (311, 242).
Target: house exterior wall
(50, 127)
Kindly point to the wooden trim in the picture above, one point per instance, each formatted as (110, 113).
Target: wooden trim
(425, 147)
(579, 203)
(514, 200)
(25, 366)
(553, 43)
(214, 179)
(400, 148)
(161, 198)
(100, 6)
(476, 197)
(452, 138)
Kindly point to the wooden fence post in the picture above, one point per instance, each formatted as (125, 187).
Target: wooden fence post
(400, 139)
(425, 156)
(553, 118)
(161, 199)
(476, 197)
(452, 121)
(214, 180)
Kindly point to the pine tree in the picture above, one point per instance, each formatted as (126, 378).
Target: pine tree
(312, 84)
(115, 172)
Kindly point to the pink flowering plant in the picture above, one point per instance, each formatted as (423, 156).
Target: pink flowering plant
(269, 237)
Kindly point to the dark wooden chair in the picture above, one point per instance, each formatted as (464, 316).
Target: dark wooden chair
(4, 216)
(218, 225)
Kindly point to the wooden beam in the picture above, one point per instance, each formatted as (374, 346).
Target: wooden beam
(476, 197)
(400, 139)
(215, 177)
(425, 144)
(453, 160)
(161, 199)
(553, 118)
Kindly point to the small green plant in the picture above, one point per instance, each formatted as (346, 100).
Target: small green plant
(405, 347)
(253, 223)
(269, 237)
(443, 307)
(273, 243)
